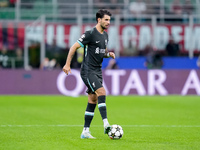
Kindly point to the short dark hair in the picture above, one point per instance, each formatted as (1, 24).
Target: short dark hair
(101, 13)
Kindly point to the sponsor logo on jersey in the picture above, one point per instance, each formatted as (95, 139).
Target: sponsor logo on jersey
(97, 51)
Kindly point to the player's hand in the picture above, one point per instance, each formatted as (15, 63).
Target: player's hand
(67, 69)
(112, 55)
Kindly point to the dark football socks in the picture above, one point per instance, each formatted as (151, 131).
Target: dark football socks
(102, 106)
(89, 114)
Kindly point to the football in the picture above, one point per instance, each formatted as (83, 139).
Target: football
(116, 132)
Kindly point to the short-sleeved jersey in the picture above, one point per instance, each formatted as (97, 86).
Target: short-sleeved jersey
(94, 44)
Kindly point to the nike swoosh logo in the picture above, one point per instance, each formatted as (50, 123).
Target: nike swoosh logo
(97, 41)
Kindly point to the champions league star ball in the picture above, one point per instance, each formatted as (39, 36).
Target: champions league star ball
(116, 132)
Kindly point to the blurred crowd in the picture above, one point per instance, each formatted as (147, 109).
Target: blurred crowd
(135, 7)
(138, 8)
(56, 56)
(7, 3)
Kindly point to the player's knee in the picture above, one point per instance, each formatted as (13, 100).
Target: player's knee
(92, 101)
(92, 98)
(101, 91)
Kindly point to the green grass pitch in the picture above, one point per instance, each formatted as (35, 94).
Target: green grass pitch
(56, 122)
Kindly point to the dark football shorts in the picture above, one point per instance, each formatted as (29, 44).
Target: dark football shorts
(92, 81)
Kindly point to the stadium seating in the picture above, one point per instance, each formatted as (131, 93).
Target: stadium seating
(70, 12)
(33, 9)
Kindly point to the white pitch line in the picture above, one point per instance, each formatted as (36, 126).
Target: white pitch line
(137, 126)
(59, 125)
(165, 126)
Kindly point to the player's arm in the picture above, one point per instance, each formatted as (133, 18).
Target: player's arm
(109, 54)
(67, 68)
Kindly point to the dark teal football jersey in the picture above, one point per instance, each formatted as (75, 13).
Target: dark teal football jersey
(94, 44)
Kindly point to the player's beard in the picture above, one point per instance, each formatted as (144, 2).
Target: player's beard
(103, 27)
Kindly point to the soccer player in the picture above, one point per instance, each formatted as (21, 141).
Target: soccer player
(95, 43)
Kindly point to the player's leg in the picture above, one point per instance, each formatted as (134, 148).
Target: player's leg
(94, 82)
(89, 114)
(101, 93)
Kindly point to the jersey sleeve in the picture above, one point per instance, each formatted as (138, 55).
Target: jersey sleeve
(84, 39)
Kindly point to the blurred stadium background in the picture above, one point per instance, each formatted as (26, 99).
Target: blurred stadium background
(157, 44)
